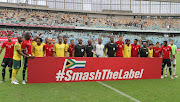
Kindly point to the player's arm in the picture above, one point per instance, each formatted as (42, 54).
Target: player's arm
(24, 49)
(1, 50)
(18, 50)
(54, 51)
(105, 47)
(66, 50)
(33, 51)
(44, 51)
(91, 39)
(171, 54)
(36, 37)
(73, 52)
(175, 51)
(2, 47)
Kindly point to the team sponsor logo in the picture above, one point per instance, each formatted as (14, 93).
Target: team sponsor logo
(67, 74)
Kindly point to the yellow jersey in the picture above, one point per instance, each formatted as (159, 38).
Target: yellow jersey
(150, 53)
(38, 51)
(127, 51)
(33, 44)
(17, 56)
(66, 47)
(59, 49)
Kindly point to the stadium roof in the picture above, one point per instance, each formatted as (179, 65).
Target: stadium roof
(162, 0)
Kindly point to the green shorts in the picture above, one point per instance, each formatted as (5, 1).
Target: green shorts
(16, 64)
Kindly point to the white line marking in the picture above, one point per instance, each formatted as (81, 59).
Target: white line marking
(123, 94)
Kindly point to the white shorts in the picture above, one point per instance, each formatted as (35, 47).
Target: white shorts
(173, 61)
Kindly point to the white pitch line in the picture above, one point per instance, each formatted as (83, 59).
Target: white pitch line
(121, 93)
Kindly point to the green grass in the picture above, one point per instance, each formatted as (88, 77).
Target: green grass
(152, 90)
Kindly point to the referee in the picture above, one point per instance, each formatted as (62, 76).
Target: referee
(79, 49)
(89, 49)
(112, 47)
(143, 51)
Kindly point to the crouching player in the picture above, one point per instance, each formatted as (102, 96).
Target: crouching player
(166, 51)
(17, 59)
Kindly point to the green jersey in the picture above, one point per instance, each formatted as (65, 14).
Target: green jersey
(174, 48)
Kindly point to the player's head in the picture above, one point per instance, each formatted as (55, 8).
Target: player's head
(49, 40)
(65, 39)
(144, 44)
(72, 42)
(99, 40)
(172, 42)
(151, 45)
(112, 39)
(60, 39)
(120, 38)
(80, 41)
(9, 37)
(39, 41)
(46, 40)
(20, 39)
(157, 44)
(161, 44)
(53, 40)
(27, 35)
(89, 42)
(135, 41)
(165, 43)
(128, 42)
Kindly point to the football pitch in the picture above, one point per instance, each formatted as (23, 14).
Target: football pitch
(150, 90)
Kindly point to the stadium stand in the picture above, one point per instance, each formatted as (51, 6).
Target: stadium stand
(37, 17)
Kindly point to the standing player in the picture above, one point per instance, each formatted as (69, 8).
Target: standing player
(135, 48)
(112, 47)
(174, 52)
(66, 45)
(99, 48)
(7, 61)
(17, 59)
(59, 48)
(127, 49)
(150, 51)
(166, 53)
(120, 45)
(156, 50)
(143, 51)
(26, 49)
(79, 49)
(38, 49)
(48, 48)
(71, 46)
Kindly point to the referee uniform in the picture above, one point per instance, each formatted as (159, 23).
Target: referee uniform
(112, 47)
(79, 50)
(143, 52)
(89, 50)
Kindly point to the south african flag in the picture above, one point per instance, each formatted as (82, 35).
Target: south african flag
(72, 63)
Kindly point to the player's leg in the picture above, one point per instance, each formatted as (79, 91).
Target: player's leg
(169, 66)
(166, 69)
(174, 68)
(16, 65)
(4, 64)
(24, 70)
(10, 64)
(163, 65)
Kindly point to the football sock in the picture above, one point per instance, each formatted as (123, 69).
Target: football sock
(166, 68)
(14, 73)
(170, 71)
(3, 73)
(10, 73)
(174, 70)
(24, 73)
